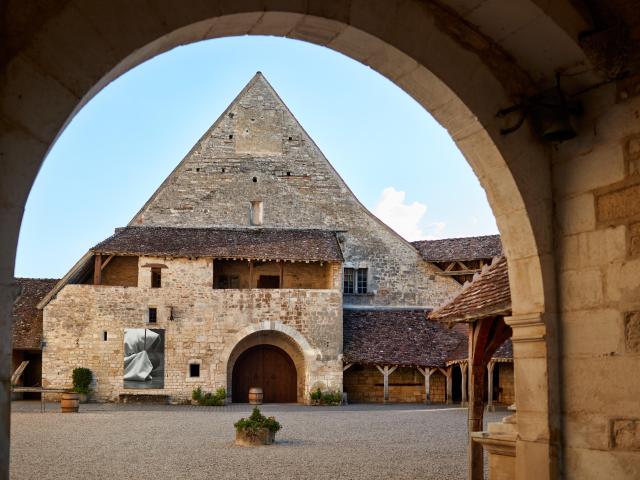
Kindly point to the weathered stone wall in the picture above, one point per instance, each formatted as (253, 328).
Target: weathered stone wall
(121, 271)
(506, 383)
(597, 197)
(258, 151)
(364, 384)
(207, 325)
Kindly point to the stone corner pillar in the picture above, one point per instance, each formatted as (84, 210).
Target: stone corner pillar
(536, 394)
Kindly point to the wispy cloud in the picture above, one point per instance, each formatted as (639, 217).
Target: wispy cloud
(404, 217)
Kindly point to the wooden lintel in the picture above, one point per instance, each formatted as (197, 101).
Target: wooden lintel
(460, 272)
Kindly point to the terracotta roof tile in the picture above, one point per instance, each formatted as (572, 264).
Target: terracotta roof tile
(462, 249)
(249, 243)
(403, 337)
(26, 331)
(488, 294)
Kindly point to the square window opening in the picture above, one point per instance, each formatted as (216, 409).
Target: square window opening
(153, 315)
(194, 370)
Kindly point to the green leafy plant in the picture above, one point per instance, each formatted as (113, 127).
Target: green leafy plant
(256, 422)
(209, 399)
(316, 395)
(332, 398)
(82, 378)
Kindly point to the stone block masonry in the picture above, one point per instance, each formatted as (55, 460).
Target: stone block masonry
(206, 326)
(257, 151)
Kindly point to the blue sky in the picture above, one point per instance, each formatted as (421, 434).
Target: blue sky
(114, 154)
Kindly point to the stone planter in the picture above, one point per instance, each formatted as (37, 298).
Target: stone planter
(263, 436)
(84, 398)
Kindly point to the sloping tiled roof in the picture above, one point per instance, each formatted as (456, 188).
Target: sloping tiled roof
(250, 243)
(488, 294)
(397, 337)
(26, 330)
(460, 354)
(467, 248)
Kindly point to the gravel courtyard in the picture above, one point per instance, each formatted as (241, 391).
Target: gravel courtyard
(183, 442)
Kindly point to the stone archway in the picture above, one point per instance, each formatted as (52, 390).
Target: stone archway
(267, 367)
(280, 337)
(461, 74)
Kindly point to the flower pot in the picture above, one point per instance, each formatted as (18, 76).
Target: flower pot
(248, 438)
(70, 402)
(84, 397)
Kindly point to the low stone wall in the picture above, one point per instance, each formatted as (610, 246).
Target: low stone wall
(207, 324)
(364, 384)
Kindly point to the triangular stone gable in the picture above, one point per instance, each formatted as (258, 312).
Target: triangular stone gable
(256, 150)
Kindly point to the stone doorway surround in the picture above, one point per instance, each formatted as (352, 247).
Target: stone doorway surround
(572, 254)
(277, 335)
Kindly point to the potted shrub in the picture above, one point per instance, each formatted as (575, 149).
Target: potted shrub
(217, 399)
(256, 430)
(82, 378)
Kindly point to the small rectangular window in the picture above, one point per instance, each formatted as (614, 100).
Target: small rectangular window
(194, 370)
(104, 336)
(156, 277)
(361, 280)
(153, 315)
(348, 280)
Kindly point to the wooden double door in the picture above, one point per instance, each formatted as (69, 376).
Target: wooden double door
(267, 367)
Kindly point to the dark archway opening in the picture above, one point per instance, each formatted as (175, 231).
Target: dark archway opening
(456, 384)
(267, 367)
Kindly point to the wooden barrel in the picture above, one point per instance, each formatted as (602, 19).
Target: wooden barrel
(70, 402)
(255, 396)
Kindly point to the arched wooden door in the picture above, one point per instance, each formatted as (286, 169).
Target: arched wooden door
(266, 367)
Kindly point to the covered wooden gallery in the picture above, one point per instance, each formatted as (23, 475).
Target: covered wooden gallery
(482, 305)
(26, 332)
(388, 354)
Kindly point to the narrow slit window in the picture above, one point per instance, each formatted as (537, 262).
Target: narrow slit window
(156, 277)
(153, 315)
(194, 370)
(361, 280)
(348, 283)
(104, 336)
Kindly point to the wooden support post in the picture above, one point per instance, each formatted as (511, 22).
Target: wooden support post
(490, 406)
(427, 372)
(463, 370)
(449, 375)
(251, 274)
(282, 274)
(386, 371)
(97, 269)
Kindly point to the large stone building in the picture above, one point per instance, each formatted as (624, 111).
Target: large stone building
(235, 273)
